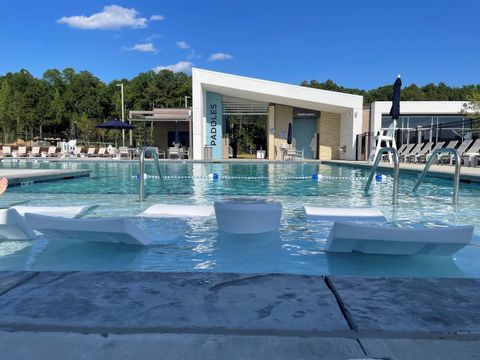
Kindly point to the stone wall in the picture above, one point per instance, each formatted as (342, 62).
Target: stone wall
(329, 129)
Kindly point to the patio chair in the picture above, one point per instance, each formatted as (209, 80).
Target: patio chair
(444, 158)
(22, 151)
(35, 151)
(102, 152)
(6, 151)
(424, 158)
(123, 152)
(91, 152)
(413, 151)
(174, 152)
(470, 157)
(52, 151)
(111, 151)
(414, 158)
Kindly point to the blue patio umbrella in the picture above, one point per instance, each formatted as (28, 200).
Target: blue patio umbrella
(116, 125)
(290, 134)
(395, 110)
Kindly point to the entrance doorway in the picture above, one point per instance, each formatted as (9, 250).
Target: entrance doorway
(304, 132)
(246, 134)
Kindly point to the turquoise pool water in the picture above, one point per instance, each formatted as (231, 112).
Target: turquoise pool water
(196, 245)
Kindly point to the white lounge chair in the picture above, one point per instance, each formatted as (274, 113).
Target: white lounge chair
(111, 230)
(61, 211)
(22, 151)
(91, 152)
(14, 227)
(35, 151)
(343, 214)
(368, 239)
(172, 210)
(52, 151)
(6, 151)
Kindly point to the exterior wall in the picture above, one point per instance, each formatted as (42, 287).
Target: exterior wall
(329, 128)
(350, 126)
(198, 119)
(379, 108)
(283, 115)
(270, 135)
(161, 129)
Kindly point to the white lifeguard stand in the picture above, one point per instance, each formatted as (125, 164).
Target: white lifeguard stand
(386, 135)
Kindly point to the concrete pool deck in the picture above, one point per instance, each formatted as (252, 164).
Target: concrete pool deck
(149, 315)
(21, 176)
(444, 171)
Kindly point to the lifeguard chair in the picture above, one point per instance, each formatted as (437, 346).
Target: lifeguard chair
(386, 135)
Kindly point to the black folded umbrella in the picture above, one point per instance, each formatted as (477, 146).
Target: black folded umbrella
(395, 110)
(290, 134)
(75, 131)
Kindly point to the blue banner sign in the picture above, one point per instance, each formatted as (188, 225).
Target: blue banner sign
(214, 124)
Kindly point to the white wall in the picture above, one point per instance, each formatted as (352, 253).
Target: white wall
(350, 126)
(198, 119)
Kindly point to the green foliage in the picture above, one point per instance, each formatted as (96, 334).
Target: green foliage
(47, 107)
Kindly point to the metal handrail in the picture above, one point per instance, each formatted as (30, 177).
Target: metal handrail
(396, 171)
(456, 180)
(142, 169)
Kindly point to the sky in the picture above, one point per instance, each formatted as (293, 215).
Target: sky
(361, 44)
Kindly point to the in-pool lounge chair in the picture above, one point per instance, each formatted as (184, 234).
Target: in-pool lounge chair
(14, 227)
(374, 239)
(181, 211)
(343, 214)
(111, 230)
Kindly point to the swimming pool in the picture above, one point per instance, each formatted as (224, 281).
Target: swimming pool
(196, 245)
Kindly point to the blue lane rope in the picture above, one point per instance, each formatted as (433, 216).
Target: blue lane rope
(215, 176)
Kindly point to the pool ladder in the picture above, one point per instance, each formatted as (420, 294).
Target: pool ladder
(153, 151)
(396, 171)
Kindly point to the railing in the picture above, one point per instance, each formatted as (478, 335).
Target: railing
(396, 171)
(154, 153)
(456, 180)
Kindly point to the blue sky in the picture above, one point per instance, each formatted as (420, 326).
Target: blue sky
(361, 44)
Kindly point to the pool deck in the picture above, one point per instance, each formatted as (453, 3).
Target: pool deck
(21, 176)
(444, 171)
(150, 315)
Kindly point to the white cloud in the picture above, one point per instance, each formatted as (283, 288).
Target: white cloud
(147, 47)
(112, 17)
(157, 18)
(220, 57)
(183, 45)
(181, 66)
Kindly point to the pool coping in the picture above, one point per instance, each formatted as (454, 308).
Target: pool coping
(362, 316)
(23, 177)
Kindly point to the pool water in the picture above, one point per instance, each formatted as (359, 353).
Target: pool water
(196, 244)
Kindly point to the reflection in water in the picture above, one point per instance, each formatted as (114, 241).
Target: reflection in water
(392, 265)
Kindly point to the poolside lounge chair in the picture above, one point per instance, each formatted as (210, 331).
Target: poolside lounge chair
(78, 152)
(102, 152)
(172, 210)
(413, 151)
(52, 151)
(14, 227)
(444, 158)
(35, 151)
(91, 151)
(6, 151)
(22, 151)
(469, 157)
(414, 157)
(425, 157)
(370, 239)
(343, 214)
(123, 152)
(111, 230)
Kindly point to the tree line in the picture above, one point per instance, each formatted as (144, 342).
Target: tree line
(33, 107)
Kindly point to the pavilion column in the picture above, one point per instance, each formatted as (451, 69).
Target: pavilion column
(270, 132)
